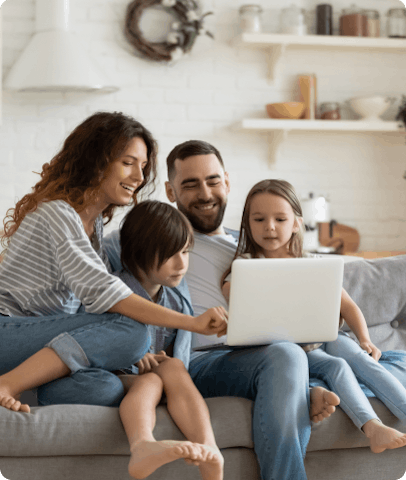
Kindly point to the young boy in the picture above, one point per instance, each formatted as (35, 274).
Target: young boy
(155, 238)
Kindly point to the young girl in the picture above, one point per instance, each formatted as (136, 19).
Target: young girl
(55, 262)
(155, 238)
(271, 227)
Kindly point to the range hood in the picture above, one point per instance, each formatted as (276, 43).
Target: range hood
(55, 59)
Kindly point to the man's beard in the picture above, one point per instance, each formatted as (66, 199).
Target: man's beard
(203, 225)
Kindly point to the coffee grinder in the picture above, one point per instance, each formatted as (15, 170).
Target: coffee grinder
(315, 210)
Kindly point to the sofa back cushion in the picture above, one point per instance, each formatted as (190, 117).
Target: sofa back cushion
(378, 287)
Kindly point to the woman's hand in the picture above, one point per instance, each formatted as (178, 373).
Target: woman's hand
(213, 321)
(149, 361)
(370, 348)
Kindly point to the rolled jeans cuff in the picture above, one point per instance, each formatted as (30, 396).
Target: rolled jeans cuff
(69, 351)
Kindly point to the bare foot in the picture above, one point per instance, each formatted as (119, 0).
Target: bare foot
(147, 456)
(12, 402)
(212, 465)
(383, 437)
(322, 403)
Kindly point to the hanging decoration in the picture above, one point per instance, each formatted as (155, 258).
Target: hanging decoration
(187, 26)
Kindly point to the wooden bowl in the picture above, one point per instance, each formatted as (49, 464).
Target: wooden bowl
(292, 110)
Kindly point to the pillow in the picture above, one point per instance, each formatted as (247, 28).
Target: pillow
(378, 287)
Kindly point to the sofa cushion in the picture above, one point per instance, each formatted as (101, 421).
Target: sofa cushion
(378, 287)
(93, 430)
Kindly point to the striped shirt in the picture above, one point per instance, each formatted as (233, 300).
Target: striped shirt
(51, 267)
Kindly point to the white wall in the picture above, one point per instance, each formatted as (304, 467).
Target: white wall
(205, 96)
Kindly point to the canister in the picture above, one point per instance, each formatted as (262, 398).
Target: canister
(250, 19)
(396, 26)
(352, 22)
(324, 19)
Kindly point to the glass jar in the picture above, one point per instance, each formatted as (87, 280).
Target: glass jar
(352, 22)
(293, 20)
(250, 19)
(330, 111)
(396, 27)
(371, 23)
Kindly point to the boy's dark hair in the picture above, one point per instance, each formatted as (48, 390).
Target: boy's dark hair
(187, 149)
(151, 233)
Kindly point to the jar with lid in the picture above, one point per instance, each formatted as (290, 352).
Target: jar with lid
(396, 27)
(371, 23)
(293, 20)
(330, 111)
(352, 22)
(250, 19)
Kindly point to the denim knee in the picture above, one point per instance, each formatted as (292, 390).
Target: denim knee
(337, 366)
(114, 343)
(85, 387)
(286, 353)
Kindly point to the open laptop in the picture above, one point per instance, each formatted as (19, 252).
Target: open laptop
(294, 299)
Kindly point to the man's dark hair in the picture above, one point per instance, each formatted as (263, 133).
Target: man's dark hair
(152, 232)
(187, 149)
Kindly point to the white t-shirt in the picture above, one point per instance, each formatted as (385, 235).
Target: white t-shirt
(210, 258)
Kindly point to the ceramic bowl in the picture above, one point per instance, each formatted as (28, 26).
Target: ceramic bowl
(370, 108)
(292, 110)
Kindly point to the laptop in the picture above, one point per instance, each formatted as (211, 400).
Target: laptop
(293, 299)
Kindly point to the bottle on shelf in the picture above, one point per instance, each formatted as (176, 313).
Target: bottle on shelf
(324, 19)
(308, 95)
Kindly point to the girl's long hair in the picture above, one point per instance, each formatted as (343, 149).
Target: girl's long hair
(76, 172)
(246, 243)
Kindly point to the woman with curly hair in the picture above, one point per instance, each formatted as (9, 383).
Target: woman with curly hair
(65, 320)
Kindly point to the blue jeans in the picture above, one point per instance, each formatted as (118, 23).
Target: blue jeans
(340, 364)
(276, 378)
(91, 345)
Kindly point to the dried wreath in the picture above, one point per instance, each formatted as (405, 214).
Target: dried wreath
(186, 28)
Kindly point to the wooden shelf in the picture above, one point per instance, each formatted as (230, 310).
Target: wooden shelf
(280, 129)
(321, 125)
(277, 43)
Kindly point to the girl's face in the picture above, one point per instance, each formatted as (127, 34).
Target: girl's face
(171, 272)
(272, 223)
(125, 174)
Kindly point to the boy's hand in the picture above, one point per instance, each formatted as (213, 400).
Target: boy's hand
(149, 361)
(213, 321)
(370, 348)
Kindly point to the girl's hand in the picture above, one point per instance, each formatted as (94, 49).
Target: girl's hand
(149, 361)
(370, 348)
(212, 321)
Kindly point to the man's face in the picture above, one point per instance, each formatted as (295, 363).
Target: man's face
(200, 188)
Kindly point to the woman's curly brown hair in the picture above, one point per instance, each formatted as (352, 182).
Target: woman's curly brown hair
(76, 172)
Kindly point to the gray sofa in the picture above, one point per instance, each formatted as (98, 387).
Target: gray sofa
(87, 442)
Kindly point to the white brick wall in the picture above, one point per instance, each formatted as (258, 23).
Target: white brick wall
(205, 96)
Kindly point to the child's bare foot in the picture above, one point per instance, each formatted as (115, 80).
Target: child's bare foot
(147, 456)
(10, 401)
(212, 465)
(322, 403)
(383, 437)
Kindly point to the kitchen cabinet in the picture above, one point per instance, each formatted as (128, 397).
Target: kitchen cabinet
(277, 44)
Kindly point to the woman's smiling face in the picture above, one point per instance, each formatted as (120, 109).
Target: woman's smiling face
(125, 174)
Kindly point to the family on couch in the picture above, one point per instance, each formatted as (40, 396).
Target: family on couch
(68, 324)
